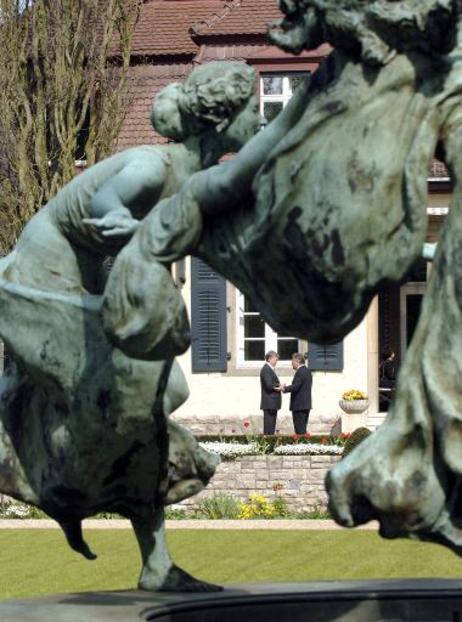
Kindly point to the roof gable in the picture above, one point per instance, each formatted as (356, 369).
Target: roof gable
(164, 26)
(240, 17)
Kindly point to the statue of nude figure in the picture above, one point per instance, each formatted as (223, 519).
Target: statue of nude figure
(83, 427)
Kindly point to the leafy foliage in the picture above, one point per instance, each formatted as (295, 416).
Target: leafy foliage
(357, 437)
(219, 507)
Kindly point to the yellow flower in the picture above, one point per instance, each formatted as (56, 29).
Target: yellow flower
(257, 506)
(354, 394)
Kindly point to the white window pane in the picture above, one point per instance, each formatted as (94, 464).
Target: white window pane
(272, 85)
(271, 110)
(296, 79)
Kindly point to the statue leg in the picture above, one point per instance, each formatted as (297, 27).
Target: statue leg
(408, 474)
(159, 573)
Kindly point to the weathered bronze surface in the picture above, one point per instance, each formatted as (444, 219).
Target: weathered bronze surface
(309, 220)
(83, 426)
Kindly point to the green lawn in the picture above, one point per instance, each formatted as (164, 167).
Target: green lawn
(35, 562)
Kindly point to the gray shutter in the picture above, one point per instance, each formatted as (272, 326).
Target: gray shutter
(208, 318)
(323, 357)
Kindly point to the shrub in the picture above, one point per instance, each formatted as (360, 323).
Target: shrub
(355, 439)
(281, 509)
(219, 507)
(316, 514)
(257, 506)
(178, 514)
(21, 510)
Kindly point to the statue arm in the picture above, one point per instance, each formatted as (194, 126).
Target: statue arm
(110, 207)
(223, 186)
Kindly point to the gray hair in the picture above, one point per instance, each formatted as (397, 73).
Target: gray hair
(209, 98)
(269, 354)
(376, 28)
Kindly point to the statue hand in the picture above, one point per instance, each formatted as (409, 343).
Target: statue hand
(114, 224)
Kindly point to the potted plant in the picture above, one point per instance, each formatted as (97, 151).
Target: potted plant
(354, 401)
(354, 404)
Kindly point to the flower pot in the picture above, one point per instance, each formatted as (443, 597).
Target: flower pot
(354, 406)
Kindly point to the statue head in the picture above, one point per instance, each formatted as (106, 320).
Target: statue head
(372, 29)
(217, 97)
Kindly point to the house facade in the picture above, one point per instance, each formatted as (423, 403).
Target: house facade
(229, 337)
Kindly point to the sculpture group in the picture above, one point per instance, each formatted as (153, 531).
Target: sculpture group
(334, 190)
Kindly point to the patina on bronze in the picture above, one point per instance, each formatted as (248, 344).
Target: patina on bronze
(83, 426)
(309, 220)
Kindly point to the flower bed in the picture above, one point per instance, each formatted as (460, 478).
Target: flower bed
(231, 449)
(247, 445)
(309, 449)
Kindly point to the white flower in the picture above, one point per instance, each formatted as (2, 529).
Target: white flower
(230, 449)
(16, 510)
(308, 449)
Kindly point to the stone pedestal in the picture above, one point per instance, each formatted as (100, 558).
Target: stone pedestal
(352, 421)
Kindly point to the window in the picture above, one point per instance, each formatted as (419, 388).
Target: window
(276, 90)
(255, 338)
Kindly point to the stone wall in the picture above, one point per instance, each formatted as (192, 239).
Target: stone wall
(298, 479)
(253, 423)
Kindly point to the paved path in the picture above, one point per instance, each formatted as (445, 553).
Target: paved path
(187, 524)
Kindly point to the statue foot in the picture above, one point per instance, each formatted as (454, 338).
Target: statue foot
(390, 478)
(73, 532)
(176, 580)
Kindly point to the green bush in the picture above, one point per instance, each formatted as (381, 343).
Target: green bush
(281, 509)
(219, 507)
(257, 506)
(19, 510)
(178, 514)
(316, 514)
(355, 439)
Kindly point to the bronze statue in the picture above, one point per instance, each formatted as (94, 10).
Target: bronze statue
(83, 427)
(340, 202)
(332, 195)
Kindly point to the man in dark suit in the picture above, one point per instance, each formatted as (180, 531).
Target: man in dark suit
(270, 392)
(300, 393)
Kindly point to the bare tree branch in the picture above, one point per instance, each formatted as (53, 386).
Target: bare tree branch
(65, 63)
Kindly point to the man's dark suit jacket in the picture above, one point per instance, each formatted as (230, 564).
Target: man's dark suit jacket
(300, 389)
(270, 399)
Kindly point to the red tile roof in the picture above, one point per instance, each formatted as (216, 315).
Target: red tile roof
(163, 27)
(146, 82)
(240, 17)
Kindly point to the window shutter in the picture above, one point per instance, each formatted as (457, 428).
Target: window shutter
(208, 318)
(323, 357)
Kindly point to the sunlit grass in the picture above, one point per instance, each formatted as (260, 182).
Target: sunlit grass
(37, 562)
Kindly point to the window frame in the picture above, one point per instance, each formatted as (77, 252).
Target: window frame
(270, 339)
(287, 92)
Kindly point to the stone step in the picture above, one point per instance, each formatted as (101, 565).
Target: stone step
(375, 420)
(252, 424)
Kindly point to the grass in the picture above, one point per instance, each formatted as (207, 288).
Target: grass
(38, 562)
